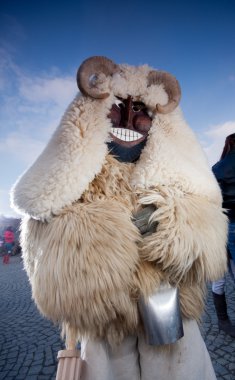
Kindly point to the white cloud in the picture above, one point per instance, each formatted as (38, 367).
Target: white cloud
(58, 90)
(215, 138)
(31, 106)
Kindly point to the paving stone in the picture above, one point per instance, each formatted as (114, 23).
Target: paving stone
(3, 375)
(228, 377)
(223, 362)
(220, 369)
(35, 369)
(48, 370)
(29, 356)
(39, 356)
(17, 366)
(49, 361)
(213, 354)
(12, 355)
(232, 366)
(229, 349)
(27, 363)
(21, 377)
(23, 370)
(13, 374)
(11, 360)
(9, 366)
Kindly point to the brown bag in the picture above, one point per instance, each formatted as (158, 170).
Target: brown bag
(69, 366)
(70, 363)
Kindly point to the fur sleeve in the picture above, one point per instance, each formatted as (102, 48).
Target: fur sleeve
(190, 229)
(81, 265)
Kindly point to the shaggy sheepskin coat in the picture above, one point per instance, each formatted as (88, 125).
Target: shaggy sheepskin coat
(86, 260)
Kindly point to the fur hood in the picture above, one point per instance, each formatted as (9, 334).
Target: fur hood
(77, 150)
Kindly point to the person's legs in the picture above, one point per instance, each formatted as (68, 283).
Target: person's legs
(187, 358)
(125, 360)
(96, 361)
(220, 303)
(8, 249)
(102, 362)
(218, 286)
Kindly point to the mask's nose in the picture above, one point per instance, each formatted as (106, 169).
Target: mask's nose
(127, 114)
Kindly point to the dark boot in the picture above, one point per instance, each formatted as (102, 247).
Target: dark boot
(224, 322)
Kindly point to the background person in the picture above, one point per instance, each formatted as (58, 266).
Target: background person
(9, 239)
(224, 171)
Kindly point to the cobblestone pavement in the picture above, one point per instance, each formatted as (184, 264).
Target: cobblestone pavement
(29, 343)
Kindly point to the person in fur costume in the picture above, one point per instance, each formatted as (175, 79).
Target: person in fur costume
(123, 148)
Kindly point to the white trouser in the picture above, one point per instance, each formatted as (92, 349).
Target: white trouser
(188, 359)
(219, 285)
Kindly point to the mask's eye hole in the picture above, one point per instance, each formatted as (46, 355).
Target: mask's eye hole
(119, 103)
(138, 106)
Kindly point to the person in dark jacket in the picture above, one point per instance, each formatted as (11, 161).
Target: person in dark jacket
(224, 171)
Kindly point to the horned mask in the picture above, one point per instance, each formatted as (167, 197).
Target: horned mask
(129, 105)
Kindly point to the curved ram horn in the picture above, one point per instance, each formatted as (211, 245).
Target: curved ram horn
(171, 86)
(92, 67)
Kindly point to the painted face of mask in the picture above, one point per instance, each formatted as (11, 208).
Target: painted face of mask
(130, 126)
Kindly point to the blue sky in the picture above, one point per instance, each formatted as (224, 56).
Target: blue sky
(42, 43)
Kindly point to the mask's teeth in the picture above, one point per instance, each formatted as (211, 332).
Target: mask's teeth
(126, 134)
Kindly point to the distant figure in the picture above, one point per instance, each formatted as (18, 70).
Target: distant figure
(1, 244)
(9, 239)
(224, 171)
(1, 241)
